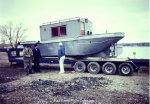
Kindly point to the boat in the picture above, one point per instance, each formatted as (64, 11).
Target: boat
(77, 38)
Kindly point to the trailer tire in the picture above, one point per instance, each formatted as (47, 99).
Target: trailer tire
(93, 67)
(125, 69)
(109, 68)
(79, 66)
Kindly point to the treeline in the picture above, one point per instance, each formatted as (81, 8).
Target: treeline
(135, 44)
(5, 45)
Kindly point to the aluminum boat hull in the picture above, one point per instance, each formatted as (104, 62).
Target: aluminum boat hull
(80, 46)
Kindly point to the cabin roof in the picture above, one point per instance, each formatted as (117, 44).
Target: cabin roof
(64, 20)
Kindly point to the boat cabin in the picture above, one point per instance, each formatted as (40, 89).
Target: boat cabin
(68, 28)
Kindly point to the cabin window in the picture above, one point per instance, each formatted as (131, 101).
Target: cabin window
(54, 31)
(63, 30)
(58, 31)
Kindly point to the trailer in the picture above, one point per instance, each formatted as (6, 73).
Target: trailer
(94, 65)
(14, 55)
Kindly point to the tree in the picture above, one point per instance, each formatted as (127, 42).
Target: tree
(3, 42)
(12, 33)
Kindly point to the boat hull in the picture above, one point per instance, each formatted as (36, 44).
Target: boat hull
(79, 47)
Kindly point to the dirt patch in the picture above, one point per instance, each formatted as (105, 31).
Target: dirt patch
(10, 73)
(50, 87)
(59, 89)
(76, 91)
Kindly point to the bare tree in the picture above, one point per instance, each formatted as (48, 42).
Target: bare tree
(3, 42)
(12, 33)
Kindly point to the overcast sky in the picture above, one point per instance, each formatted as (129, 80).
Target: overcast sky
(128, 16)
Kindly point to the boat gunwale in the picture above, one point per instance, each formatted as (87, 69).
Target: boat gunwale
(94, 36)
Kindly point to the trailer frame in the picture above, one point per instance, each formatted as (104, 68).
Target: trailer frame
(94, 65)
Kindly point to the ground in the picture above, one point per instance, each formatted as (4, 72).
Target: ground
(50, 87)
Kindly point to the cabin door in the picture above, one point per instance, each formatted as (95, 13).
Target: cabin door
(82, 30)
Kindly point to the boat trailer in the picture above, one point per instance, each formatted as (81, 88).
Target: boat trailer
(94, 65)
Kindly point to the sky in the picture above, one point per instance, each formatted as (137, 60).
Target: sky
(128, 16)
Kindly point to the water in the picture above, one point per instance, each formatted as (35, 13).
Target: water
(135, 52)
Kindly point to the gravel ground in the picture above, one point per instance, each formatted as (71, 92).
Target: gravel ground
(50, 87)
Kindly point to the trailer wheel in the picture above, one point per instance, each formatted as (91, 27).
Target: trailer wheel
(125, 69)
(79, 66)
(109, 68)
(93, 67)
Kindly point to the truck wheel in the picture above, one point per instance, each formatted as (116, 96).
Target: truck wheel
(125, 69)
(109, 68)
(79, 66)
(93, 67)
